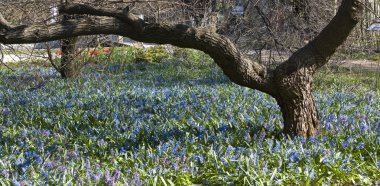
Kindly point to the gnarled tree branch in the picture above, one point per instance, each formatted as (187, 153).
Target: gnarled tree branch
(315, 54)
(239, 69)
(123, 15)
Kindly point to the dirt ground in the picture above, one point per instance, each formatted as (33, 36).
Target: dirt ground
(357, 63)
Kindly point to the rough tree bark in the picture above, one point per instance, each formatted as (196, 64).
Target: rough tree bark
(290, 83)
(68, 67)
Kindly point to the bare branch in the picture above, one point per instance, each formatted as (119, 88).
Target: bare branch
(240, 70)
(79, 9)
(50, 57)
(2, 58)
(315, 54)
(4, 24)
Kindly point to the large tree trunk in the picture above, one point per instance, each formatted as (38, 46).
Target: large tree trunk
(290, 83)
(299, 112)
(294, 96)
(69, 67)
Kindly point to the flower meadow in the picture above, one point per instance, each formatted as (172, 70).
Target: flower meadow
(175, 124)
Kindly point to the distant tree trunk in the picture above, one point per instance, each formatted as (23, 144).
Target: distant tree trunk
(68, 67)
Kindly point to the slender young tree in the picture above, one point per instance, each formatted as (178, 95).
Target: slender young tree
(290, 83)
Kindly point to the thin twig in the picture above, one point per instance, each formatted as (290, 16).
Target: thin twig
(2, 58)
(269, 28)
(50, 57)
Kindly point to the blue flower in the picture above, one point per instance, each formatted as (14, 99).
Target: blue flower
(279, 170)
(346, 143)
(294, 157)
(137, 180)
(312, 140)
(201, 128)
(45, 174)
(174, 150)
(361, 145)
(15, 183)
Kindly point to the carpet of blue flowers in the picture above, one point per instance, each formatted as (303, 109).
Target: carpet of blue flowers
(175, 124)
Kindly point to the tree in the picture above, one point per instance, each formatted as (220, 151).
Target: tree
(44, 11)
(68, 67)
(290, 83)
